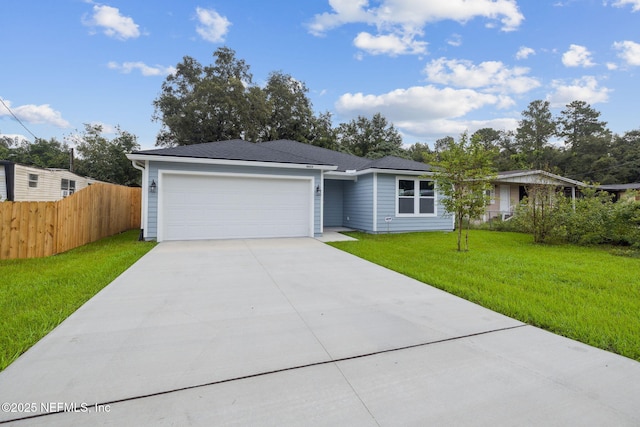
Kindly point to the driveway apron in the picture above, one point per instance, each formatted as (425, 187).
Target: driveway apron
(295, 332)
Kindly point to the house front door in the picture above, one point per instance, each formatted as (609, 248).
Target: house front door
(505, 199)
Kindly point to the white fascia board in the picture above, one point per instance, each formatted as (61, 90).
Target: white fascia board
(395, 172)
(196, 160)
(352, 176)
(343, 176)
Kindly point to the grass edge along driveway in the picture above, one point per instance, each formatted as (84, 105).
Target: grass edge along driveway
(37, 294)
(583, 293)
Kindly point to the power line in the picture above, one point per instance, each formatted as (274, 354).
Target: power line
(17, 119)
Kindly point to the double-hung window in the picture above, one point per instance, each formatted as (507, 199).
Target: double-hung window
(68, 187)
(415, 197)
(33, 180)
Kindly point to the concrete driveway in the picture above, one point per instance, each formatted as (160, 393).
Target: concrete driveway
(295, 332)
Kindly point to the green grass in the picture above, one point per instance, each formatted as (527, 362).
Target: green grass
(584, 293)
(37, 294)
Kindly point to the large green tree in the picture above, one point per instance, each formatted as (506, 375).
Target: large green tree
(534, 131)
(373, 138)
(42, 153)
(207, 103)
(419, 152)
(290, 114)
(322, 132)
(220, 102)
(588, 142)
(625, 150)
(463, 173)
(105, 159)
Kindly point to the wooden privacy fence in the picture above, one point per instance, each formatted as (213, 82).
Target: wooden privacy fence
(38, 229)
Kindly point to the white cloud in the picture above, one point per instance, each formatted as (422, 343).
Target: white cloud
(438, 128)
(577, 56)
(611, 66)
(213, 26)
(36, 114)
(584, 89)
(428, 112)
(416, 103)
(145, 70)
(492, 76)
(635, 4)
(629, 51)
(390, 44)
(402, 20)
(16, 138)
(416, 13)
(346, 11)
(112, 22)
(107, 129)
(524, 52)
(455, 40)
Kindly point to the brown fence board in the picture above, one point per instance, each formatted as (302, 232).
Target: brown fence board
(36, 229)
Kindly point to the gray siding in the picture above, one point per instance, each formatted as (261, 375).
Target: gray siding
(358, 203)
(387, 208)
(152, 220)
(333, 203)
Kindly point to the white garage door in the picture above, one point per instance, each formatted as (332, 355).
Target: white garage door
(223, 207)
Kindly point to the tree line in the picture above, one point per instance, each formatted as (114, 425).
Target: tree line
(94, 155)
(220, 101)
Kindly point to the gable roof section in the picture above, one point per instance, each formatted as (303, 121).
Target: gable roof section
(535, 177)
(283, 152)
(236, 149)
(398, 163)
(343, 161)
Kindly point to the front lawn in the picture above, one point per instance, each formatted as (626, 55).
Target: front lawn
(37, 294)
(584, 293)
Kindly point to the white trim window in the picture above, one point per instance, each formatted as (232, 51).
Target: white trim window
(33, 180)
(67, 187)
(415, 197)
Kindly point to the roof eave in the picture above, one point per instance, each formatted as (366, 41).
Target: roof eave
(209, 161)
(394, 171)
(507, 177)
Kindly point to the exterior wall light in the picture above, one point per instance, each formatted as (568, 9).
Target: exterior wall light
(153, 187)
(318, 190)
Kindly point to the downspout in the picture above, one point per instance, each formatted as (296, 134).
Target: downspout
(143, 205)
(375, 202)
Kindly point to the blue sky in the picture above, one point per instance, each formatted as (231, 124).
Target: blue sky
(432, 67)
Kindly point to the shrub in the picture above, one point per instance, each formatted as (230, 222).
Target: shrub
(590, 222)
(592, 219)
(625, 223)
(543, 214)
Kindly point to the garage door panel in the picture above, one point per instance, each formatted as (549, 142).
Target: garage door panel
(223, 207)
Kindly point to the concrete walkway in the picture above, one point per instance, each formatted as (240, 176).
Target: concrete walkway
(294, 332)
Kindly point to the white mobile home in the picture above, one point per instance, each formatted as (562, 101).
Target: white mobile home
(21, 183)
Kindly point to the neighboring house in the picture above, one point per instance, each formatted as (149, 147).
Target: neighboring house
(239, 189)
(622, 191)
(510, 187)
(20, 183)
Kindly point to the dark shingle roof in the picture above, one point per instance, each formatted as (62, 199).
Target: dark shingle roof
(343, 161)
(232, 150)
(285, 151)
(392, 162)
